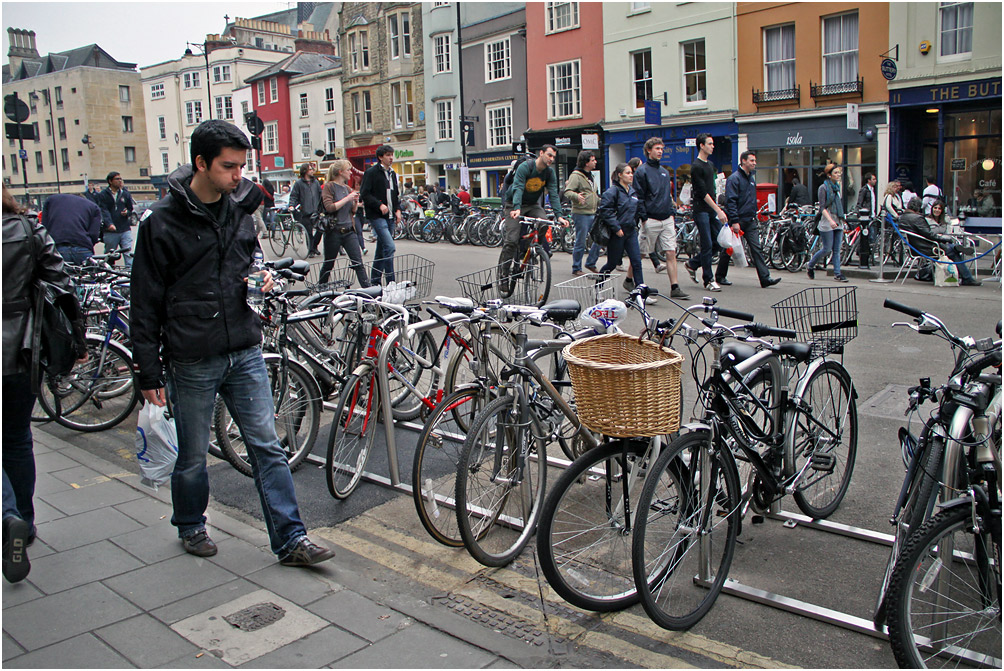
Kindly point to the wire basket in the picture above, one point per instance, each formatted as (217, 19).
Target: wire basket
(588, 289)
(824, 317)
(410, 268)
(341, 277)
(625, 387)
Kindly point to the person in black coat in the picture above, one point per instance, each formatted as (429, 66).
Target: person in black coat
(74, 224)
(913, 221)
(381, 200)
(619, 210)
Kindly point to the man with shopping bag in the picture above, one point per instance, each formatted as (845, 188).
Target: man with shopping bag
(740, 207)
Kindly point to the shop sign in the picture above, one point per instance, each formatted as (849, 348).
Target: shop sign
(926, 95)
(280, 161)
(889, 69)
(361, 152)
(794, 139)
(959, 164)
(403, 153)
(590, 141)
(562, 141)
(690, 142)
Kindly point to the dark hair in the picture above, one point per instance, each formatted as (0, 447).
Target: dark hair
(212, 136)
(746, 154)
(304, 168)
(583, 160)
(702, 138)
(384, 149)
(929, 180)
(868, 176)
(915, 205)
(112, 175)
(615, 175)
(546, 147)
(10, 205)
(651, 142)
(634, 163)
(944, 210)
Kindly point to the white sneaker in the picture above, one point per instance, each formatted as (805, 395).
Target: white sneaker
(713, 286)
(651, 300)
(661, 268)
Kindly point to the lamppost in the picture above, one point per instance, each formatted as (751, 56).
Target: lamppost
(205, 54)
(52, 131)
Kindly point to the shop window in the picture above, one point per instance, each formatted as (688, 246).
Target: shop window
(967, 124)
(695, 73)
(641, 62)
(779, 57)
(840, 48)
(956, 28)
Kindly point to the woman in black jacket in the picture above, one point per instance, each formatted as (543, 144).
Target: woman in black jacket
(618, 210)
(28, 254)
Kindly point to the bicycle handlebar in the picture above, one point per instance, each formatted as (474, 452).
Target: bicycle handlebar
(987, 361)
(901, 307)
(761, 330)
(735, 314)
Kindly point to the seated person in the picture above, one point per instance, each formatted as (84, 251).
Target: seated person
(913, 221)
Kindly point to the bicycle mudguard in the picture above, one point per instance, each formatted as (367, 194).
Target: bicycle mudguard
(695, 427)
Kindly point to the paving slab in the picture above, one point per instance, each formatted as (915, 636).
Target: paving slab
(301, 585)
(169, 580)
(44, 512)
(311, 652)
(21, 592)
(55, 618)
(54, 463)
(418, 647)
(204, 600)
(93, 497)
(46, 483)
(78, 476)
(151, 544)
(210, 630)
(199, 660)
(148, 511)
(145, 642)
(74, 531)
(72, 568)
(10, 647)
(240, 557)
(363, 617)
(81, 652)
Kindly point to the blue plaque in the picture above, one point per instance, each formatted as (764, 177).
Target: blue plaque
(889, 68)
(653, 112)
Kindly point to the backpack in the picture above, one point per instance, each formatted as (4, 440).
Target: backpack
(511, 176)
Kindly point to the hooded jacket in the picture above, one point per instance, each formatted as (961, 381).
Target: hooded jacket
(189, 292)
(654, 189)
(580, 183)
(619, 209)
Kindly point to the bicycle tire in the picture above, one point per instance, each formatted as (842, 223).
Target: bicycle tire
(352, 432)
(535, 281)
(277, 240)
(432, 231)
(437, 456)
(404, 404)
(299, 416)
(493, 232)
(665, 546)
(962, 596)
(567, 239)
(88, 399)
(584, 533)
(483, 499)
(300, 241)
(820, 496)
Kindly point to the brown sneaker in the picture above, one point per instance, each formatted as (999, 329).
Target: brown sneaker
(199, 544)
(306, 553)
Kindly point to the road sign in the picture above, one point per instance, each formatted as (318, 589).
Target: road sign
(14, 108)
(23, 154)
(254, 123)
(653, 112)
(889, 68)
(27, 131)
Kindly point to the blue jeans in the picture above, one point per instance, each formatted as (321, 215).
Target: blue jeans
(616, 249)
(708, 228)
(383, 258)
(594, 255)
(73, 254)
(582, 222)
(242, 380)
(18, 454)
(122, 240)
(831, 241)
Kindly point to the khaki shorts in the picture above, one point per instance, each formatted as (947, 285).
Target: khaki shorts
(658, 235)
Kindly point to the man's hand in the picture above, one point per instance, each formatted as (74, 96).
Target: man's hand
(83, 359)
(620, 233)
(582, 198)
(514, 214)
(384, 209)
(736, 228)
(722, 217)
(269, 283)
(563, 221)
(111, 228)
(155, 396)
(397, 216)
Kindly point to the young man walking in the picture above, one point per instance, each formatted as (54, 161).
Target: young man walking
(116, 205)
(654, 189)
(306, 193)
(381, 200)
(709, 218)
(581, 193)
(190, 319)
(740, 206)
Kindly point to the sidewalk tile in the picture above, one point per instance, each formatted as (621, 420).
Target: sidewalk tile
(197, 660)
(46, 483)
(418, 647)
(61, 616)
(300, 585)
(241, 557)
(39, 549)
(148, 511)
(152, 544)
(79, 476)
(22, 592)
(82, 652)
(93, 497)
(10, 648)
(54, 462)
(44, 512)
(86, 528)
(360, 615)
(145, 642)
(502, 664)
(72, 568)
(168, 581)
(312, 652)
(203, 601)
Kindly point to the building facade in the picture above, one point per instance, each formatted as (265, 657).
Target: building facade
(799, 65)
(945, 101)
(87, 117)
(315, 112)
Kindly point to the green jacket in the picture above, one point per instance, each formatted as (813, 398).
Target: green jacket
(579, 183)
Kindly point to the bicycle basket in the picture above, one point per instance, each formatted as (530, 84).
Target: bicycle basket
(340, 278)
(588, 289)
(411, 269)
(485, 285)
(625, 387)
(824, 317)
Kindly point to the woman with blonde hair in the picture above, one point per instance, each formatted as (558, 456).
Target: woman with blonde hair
(340, 204)
(892, 199)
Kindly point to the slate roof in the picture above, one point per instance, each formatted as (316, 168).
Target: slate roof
(91, 55)
(300, 63)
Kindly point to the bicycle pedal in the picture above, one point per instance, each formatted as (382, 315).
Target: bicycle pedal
(822, 462)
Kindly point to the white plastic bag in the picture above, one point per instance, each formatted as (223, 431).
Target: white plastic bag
(156, 445)
(946, 273)
(398, 292)
(732, 245)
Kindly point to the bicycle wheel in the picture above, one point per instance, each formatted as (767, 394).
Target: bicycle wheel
(297, 417)
(277, 238)
(945, 593)
(437, 455)
(493, 230)
(95, 395)
(498, 498)
(567, 238)
(404, 404)
(584, 534)
(432, 231)
(534, 283)
(687, 527)
(354, 428)
(299, 241)
(825, 436)
(893, 249)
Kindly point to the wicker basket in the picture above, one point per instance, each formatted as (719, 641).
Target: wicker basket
(625, 388)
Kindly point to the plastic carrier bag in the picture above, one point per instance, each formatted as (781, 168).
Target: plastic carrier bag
(732, 245)
(946, 273)
(156, 444)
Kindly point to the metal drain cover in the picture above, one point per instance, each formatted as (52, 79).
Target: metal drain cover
(889, 403)
(256, 617)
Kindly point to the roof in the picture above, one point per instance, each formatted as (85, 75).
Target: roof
(300, 63)
(90, 56)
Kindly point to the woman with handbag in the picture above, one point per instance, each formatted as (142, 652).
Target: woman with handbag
(618, 215)
(340, 204)
(29, 254)
(831, 222)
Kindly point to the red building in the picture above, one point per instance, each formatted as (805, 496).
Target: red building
(564, 73)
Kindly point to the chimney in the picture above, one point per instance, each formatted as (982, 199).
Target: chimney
(22, 45)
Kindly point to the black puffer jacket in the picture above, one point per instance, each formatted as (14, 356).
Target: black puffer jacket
(619, 209)
(188, 279)
(25, 259)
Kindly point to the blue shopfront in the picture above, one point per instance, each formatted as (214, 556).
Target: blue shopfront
(678, 153)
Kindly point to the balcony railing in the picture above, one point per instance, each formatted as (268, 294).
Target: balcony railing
(780, 95)
(856, 87)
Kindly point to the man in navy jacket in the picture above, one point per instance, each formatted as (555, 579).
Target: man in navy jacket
(740, 207)
(116, 205)
(380, 195)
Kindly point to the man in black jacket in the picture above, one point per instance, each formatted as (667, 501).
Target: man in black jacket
(74, 224)
(868, 199)
(380, 196)
(116, 205)
(189, 296)
(306, 193)
(740, 207)
(913, 221)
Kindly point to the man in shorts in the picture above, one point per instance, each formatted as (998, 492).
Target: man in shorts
(654, 189)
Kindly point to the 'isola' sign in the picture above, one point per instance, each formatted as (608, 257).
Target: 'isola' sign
(794, 139)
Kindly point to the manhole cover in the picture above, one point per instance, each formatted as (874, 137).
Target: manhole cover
(256, 617)
(890, 403)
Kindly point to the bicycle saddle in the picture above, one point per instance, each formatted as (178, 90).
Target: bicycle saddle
(736, 352)
(562, 310)
(799, 351)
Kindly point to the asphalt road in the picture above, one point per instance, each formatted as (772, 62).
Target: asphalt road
(821, 568)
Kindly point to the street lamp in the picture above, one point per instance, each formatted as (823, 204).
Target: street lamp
(33, 95)
(205, 54)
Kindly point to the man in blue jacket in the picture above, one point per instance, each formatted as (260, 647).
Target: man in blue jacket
(116, 205)
(740, 207)
(74, 224)
(654, 189)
